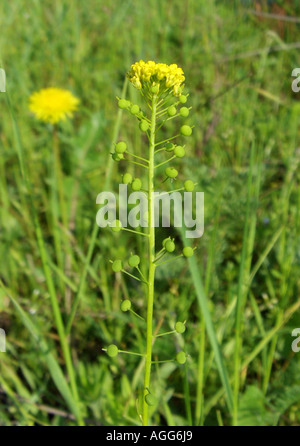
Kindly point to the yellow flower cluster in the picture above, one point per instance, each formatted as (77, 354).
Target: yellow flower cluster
(53, 104)
(145, 74)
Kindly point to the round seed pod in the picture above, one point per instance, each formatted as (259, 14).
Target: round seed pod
(116, 226)
(188, 251)
(169, 246)
(122, 103)
(184, 111)
(171, 172)
(117, 266)
(169, 147)
(189, 185)
(117, 156)
(125, 305)
(180, 327)
(186, 130)
(112, 350)
(134, 109)
(134, 261)
(154, 89)
(165, 241)
(127, 178)
(182, 99)
(136, 184)
(181, 358)
(150, 399)
(144, 125)
(171, 110)
(179, 151)
(121, 147)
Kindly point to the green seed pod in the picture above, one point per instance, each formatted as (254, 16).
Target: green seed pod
(136, 184)
(171, 172)
(169, 147)
(144, 125)
(171, 110)
(180, 327)
(127, 178)
(179, 151)
(117, 266)
(116, 226)
(121, 147)
(165, 241)
(134, 109)
(112, 350)
(169, 246)
(186, 130)
(150, 399)
(181, 358)
(189, 185)
(117, 156)
(154, 89)
(125, 305)
(122, 103)
(182, 99)
(184, 111)
(188, 251)
(134, 261)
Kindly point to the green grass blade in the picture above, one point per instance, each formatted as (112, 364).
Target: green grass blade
(53, 366)
(203, 303)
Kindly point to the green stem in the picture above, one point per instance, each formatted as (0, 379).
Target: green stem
(152, 266)
(59, 178)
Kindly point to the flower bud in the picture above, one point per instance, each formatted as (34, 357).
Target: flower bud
(134, 109)
(155, 89)
(188, 251)
(186, 130)
(182, 99)
(125, 305)
(136, 184)
(184, 111)
(171, 172)
(189, 185)
(144, 125)
(117, 266)
(181, 358)
(121, 147)
(171, 110)
(127, 178)
(179, 151)
(112, 350)
(134, 261)
(169, 246)
(180, 327)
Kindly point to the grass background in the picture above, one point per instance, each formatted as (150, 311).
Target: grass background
(244, 155)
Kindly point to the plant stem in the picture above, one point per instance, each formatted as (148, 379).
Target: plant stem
(151, 258)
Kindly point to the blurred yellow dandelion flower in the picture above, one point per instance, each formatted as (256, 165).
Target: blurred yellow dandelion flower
(53, 104)
(145, 75)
